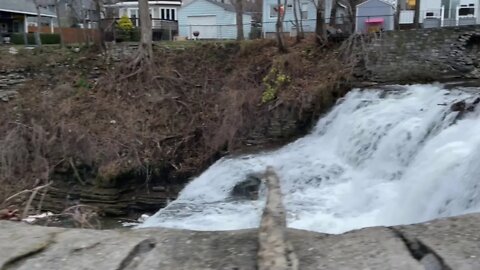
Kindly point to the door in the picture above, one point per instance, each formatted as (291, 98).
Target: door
(205, 25)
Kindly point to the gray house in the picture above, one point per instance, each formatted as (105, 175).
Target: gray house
(73, 13)
(17, 15)
(374, 16)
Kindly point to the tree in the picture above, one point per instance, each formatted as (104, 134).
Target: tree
(351, 4)
(145, 50)
(101, 31)
(320, 29)
(279, 26)
(239, 13)
(416, 18)
(38, 41)
(298, 22)
(333, 14)
(79, 10)
(59, 22)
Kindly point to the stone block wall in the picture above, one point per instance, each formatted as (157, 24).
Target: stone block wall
(435, 54)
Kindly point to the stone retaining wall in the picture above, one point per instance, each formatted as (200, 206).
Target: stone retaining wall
(422, 55)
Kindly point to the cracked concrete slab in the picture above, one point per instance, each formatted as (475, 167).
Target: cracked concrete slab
(84, 249)
(371, 248)
(455, 240)
(19, 240)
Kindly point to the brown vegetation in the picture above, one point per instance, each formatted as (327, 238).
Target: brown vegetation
(192, 107)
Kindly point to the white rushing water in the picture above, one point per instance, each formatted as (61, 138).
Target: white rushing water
(378, 158)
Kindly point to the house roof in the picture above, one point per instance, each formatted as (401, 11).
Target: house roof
(387, 2)
(226, 7)
(24, 7)
(131, 3)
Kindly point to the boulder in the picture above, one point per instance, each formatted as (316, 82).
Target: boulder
(247, 189)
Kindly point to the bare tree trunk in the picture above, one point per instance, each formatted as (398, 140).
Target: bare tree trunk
(101, 31)
(416, 18)
(38, 41)
(320, 30)
(397, 17)
(239, 13)
(145, 48)
(85, 28)
(279, 27)
(351, 15)
(296, 11)
(333, 14)
(59, 22)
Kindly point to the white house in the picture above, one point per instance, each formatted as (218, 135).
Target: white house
(211, 19)
(437, 13)
(166, 10)
(306, 14)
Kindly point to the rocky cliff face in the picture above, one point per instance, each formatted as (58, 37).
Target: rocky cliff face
(10, 82)
(443, 244)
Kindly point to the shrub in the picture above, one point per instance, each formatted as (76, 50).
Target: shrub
(50, 38)
(46, 38)
(255, 33)
(125, 24)
(17, 38)
(274, 80)
(135, 35)
(125, 29)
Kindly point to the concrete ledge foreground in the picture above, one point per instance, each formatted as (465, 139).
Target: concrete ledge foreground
(451, 243)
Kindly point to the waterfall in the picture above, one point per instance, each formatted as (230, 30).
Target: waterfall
(389, 156)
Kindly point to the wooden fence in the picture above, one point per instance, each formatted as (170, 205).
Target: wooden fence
(71, 35)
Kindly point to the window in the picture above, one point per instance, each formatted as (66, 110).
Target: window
(168, 14)
(274, 10)
(429, 14)
(466, 11)
(162, 14)
(173, 14)
(133, 14)
(304, 11)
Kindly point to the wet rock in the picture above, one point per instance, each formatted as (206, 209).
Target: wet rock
(476, 101)
(247, 189)
(459, 106)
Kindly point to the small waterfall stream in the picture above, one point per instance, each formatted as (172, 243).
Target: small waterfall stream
(380, 157)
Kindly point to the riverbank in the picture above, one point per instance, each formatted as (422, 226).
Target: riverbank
(127, 145)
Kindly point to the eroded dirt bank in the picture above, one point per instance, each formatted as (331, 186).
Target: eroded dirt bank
(127, 143)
